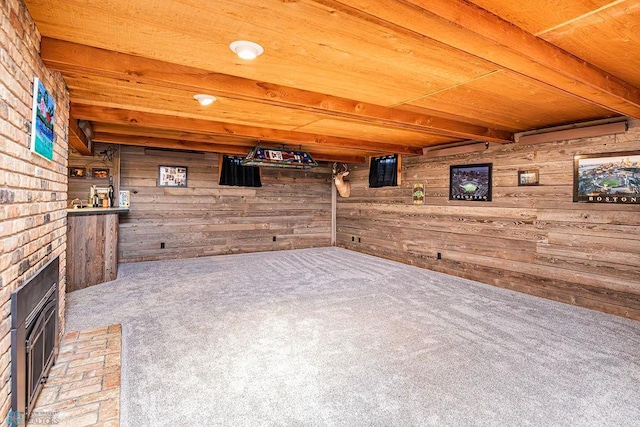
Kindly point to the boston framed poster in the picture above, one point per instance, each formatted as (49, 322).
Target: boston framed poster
(607, 178)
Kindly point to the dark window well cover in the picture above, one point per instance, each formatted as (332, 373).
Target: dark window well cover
(383, 171)
(235, 173)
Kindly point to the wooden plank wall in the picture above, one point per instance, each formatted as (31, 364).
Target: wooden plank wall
(529, 239)
(79, 187)
(294, 206)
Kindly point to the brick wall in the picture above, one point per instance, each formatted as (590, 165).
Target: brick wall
(32, 189)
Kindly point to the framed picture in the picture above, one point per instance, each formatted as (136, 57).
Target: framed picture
(77, 172)
(418, 194)
(607, 178)
(470, 182)
(172, 176)
(100, 173)
(42, 120)
(528, 177)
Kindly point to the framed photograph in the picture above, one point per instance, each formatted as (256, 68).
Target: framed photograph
(100, 173)
(528, 177)
(77, 172)
(607, 178)
(172, 176)
(470, 182)
(418, 194)
(42, 120)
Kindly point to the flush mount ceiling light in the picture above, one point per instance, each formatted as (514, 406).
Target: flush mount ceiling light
(246, 49)
(204, 99)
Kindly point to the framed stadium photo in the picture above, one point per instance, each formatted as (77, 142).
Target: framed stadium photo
(470, 182)
(607, 178)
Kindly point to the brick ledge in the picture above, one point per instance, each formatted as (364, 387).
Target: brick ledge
(83, 389)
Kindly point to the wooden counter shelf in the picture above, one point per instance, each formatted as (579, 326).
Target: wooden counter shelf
(92, 246)
(96, 211)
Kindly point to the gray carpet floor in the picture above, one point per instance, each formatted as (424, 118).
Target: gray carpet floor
(332, 337)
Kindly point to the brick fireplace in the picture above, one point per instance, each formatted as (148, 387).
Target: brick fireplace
(33, 190)
(34, 336)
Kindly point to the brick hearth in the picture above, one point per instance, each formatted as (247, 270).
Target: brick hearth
(84, 385)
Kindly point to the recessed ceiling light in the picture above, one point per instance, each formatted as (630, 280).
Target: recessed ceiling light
(204, 99)
(246, 49)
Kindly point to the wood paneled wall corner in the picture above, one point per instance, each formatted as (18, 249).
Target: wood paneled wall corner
(79, 187)
(530, 239)
(294, 206)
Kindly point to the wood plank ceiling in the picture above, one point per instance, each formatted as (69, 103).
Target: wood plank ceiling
(343, 79)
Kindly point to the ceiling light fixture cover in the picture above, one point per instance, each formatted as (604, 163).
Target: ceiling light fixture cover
(280, 158)
(246, 49)
(204, 99)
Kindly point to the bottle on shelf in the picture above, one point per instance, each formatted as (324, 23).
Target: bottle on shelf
(93, 197)
(110, 196)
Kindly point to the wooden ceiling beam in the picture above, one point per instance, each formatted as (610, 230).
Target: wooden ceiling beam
(142, 132)
(473, 30)
(72, 57)
(162, 121)
(155, 134)
(139, 131)
(175, 144)
(152, 142)
(78, 139)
